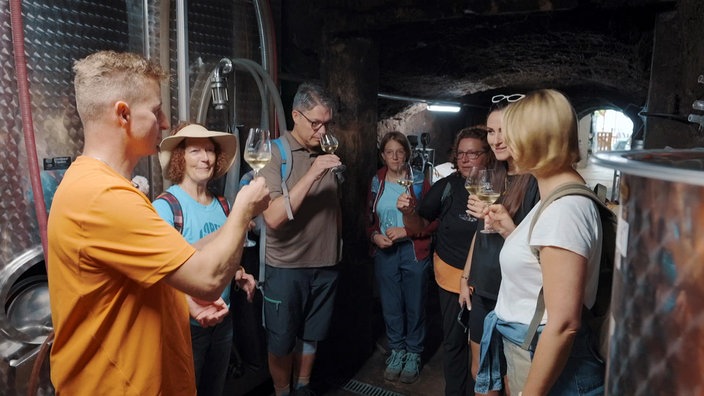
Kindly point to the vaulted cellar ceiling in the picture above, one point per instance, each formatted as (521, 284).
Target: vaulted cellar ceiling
(597, 52)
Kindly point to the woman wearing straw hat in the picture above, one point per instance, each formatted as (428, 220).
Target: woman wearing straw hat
(192, 157)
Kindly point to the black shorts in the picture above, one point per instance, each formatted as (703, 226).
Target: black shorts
(298, 303)
(481, 306)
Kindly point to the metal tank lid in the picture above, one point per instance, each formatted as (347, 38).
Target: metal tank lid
(676, 165)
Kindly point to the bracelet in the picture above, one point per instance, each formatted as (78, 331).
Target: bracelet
(375, 233)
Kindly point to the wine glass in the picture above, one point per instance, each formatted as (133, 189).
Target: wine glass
(328, 143)
(471, 184)
(257, 149)
(490, 188)
(406, 176)
(386, 221)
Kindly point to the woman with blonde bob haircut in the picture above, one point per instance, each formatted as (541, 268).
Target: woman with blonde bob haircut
(542, 142)
(541, 134)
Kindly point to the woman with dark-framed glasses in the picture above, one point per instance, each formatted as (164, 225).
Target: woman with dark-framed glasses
(446, 202)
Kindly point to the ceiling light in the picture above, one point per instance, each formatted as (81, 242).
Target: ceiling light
(447, 108)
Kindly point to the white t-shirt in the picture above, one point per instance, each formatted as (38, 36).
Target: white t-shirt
(570, 223)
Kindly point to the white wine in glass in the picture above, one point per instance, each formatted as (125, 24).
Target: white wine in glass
(257, 150)
(471, 184)
(406, 176)
(490, 190)
(329, 143)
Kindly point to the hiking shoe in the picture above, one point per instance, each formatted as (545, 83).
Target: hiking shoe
(411, 368)
(394, 364)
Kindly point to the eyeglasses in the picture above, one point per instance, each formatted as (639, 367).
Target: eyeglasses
(470, 154)
(316, 125)
(509, 98)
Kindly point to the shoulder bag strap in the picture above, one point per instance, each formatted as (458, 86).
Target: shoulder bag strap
(561, 191)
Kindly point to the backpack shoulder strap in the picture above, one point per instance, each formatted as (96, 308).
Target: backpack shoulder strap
(286, 165)
(175, 209)
(224, 204)
(284, 149)
(561, 191)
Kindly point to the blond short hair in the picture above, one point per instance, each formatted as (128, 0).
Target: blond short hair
(541, 132)
(105, 77)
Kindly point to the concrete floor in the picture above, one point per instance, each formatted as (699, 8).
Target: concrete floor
(336, 374)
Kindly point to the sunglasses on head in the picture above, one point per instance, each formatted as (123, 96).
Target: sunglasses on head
(509, 98)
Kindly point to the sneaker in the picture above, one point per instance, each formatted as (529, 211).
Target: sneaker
(394, 364)
(411, 368)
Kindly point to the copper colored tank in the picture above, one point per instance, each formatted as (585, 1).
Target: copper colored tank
(657, 339)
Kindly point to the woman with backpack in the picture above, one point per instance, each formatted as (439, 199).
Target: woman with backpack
(401, 259)
(446, 202)
(191, 157)
(556, 260)
(482, 273)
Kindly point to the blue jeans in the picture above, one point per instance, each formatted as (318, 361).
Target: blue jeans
(403, 285)
(211, 354)
(583, 374)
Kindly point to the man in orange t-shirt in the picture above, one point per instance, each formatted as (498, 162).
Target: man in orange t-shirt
(117, 271)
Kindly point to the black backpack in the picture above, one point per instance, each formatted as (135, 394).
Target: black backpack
(597, 316)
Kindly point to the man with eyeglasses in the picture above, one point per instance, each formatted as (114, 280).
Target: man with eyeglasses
(302, 251)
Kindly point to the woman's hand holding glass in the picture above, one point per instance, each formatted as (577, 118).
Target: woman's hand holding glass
(499, 219)
(476, 207)
(381, 239)
(405, 204)
(391, 231)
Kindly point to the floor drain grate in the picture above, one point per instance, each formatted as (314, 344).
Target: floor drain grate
(361, 388)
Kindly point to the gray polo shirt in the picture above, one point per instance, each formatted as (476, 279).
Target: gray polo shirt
(311, 239)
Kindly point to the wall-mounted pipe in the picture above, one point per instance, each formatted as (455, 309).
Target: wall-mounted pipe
(145, 28)
(267, 39)
(17, 27)
(268, 93)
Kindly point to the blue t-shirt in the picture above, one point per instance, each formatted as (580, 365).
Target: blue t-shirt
(389, 215)
(198, 220)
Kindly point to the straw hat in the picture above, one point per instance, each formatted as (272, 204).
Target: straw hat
(226, 141)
